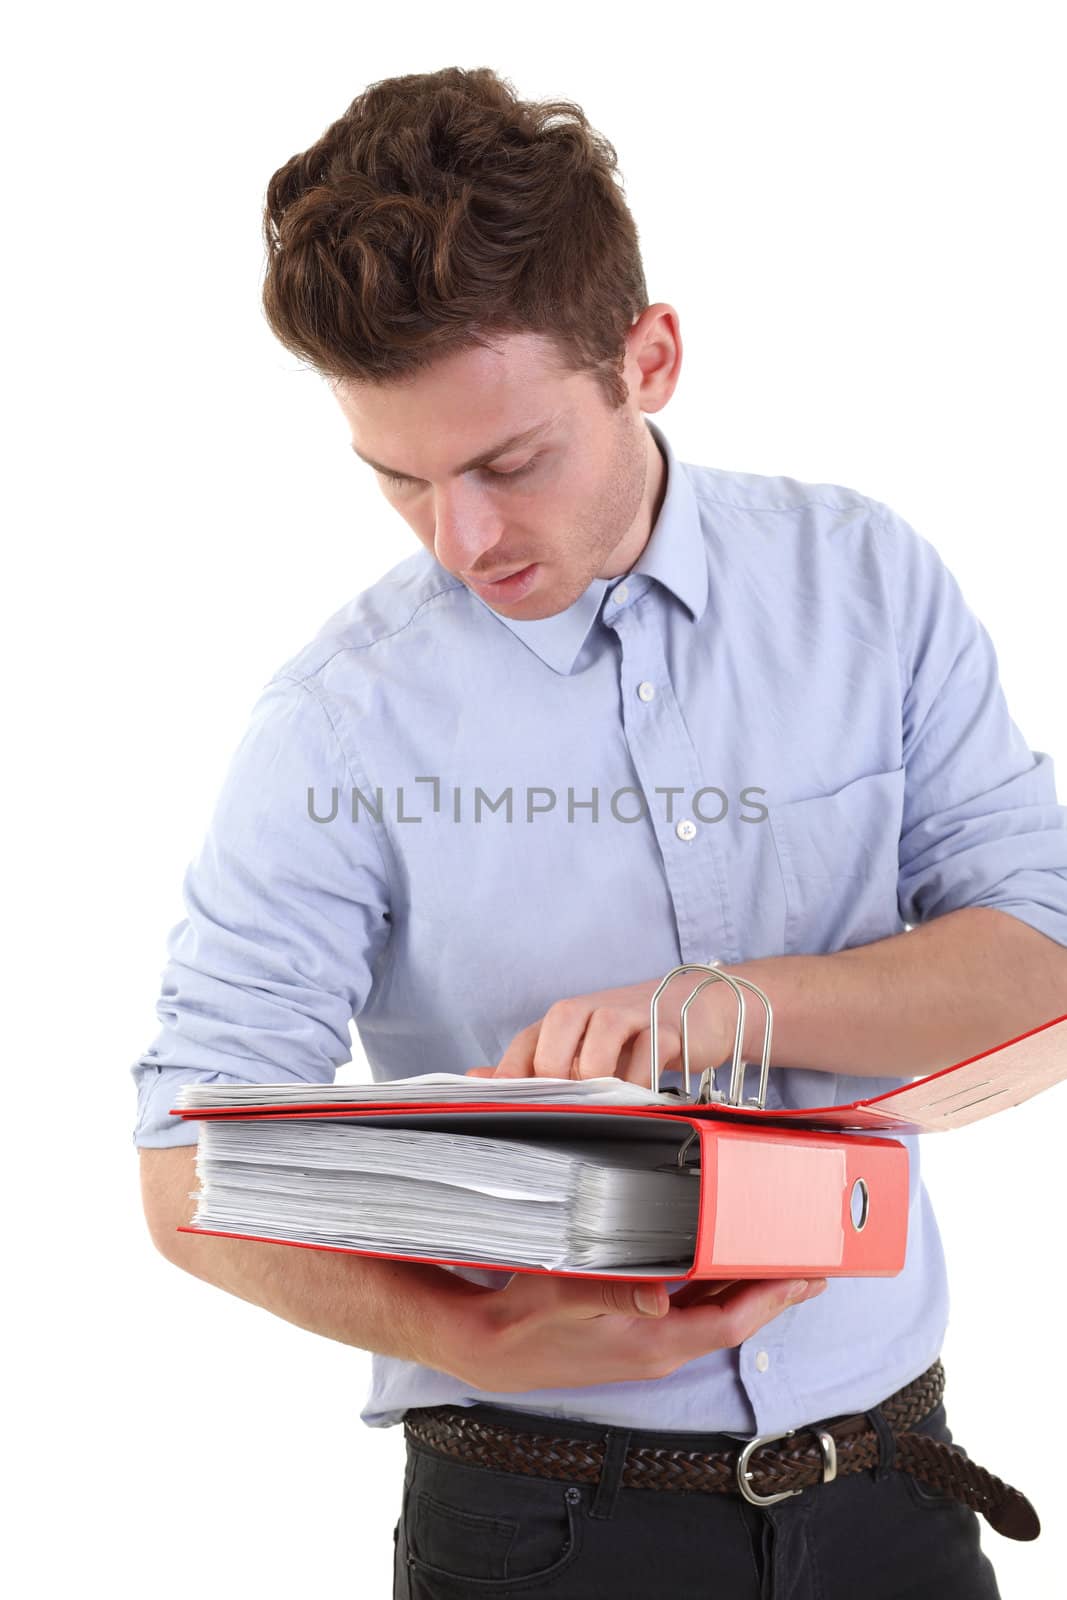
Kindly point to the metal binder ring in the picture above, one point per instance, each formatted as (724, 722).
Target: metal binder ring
(737, 1069)
(675, 972)
(739, 1031)
(687, 966)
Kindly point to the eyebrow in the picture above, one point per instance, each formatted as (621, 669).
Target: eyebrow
(481, 460)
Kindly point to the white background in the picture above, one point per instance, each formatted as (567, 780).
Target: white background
(856, 211)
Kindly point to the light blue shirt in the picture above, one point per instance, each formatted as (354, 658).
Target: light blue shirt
(782, 732)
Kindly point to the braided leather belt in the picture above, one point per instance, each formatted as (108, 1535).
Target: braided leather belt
(815, 1454)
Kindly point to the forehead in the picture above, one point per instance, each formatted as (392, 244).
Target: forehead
(512, 365)
(459, 406)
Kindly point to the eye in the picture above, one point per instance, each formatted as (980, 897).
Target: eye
(517, 472)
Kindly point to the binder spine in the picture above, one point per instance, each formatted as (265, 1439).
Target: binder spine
(813, 1204)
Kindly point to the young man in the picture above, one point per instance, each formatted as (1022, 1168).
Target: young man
(617, 713)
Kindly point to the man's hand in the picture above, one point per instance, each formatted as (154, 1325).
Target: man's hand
(609, 1035)
(543, 1331)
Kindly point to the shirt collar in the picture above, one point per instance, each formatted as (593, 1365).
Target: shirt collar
(674, 555)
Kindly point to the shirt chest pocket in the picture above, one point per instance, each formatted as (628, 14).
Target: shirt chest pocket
(838, 858)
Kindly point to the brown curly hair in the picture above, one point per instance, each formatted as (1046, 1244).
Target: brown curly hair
(441, 212)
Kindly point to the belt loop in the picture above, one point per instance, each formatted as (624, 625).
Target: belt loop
(887, 1444)
(616, 1444)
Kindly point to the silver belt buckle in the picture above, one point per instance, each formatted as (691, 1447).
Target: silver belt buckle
(829, 1465)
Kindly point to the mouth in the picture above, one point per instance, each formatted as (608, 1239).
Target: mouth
(508, 587)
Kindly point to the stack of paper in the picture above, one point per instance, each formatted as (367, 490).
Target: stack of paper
(427, 1086)
(539, 1202)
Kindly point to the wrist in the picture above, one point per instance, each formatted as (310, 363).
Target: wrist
(456, 1324)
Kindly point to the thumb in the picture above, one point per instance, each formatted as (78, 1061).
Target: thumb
(557, 1295)
(622, 1299)
(650, 1299)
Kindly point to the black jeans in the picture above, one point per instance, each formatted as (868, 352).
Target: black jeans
(467, 1531)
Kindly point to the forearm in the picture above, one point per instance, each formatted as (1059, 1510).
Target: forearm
(910, 1004)
(398, 1308)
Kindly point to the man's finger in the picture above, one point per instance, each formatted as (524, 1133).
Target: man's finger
(553, 1296)
(560, 1041)
(605, 1047)
(639, 1065)
(701, 1289)
(728, 1319)
(517, 1060)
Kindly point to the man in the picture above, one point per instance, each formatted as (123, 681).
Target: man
(617, 713)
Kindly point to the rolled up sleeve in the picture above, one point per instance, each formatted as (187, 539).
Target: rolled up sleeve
(285, 920)
(981, 824)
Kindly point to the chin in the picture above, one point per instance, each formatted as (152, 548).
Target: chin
(538, 606)
(531, 610)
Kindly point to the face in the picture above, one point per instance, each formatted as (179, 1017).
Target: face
(574, 500)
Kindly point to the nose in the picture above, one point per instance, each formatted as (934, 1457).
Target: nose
(465, 530)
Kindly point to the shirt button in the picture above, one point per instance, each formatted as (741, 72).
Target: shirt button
(763, 1361)
(646, 690)
(619, 594)
(686, 829)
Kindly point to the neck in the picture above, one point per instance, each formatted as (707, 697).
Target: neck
(651, 505)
